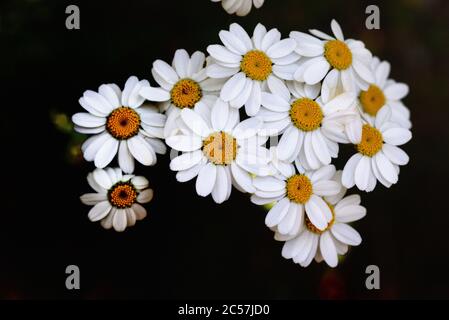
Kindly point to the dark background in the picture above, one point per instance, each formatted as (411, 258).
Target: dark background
(189, 247)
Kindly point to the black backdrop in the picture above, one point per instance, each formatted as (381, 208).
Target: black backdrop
(189, 247)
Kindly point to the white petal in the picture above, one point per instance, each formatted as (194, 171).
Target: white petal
(221, 53)
(233, 87)
(130, 217)
(315, 214)
(218, 71)
(125, 159)
(278, 87)
(362, 173)
(288, 222)
(186, 160)
(220, 190)
(326, 188)
(396, 91)
(270, 38)
(324, 173)
(92, 199)
(247, 128)
(184, 143)
(296, 245)
(196, 62)
(274, 102)
(106, 153)
(181, 63)
(241, 34)
(154, 94)
(328, 250)
(258, 35)
(252, 105)
(243, 97)
(337, 30)
(87, 120)
(320, 147)
(119, 222)
(286, 148)
(316, 71)
(348, 176)
(219, 115)
(395, 154)
(242, 178)
(206, 179)
(99, 211)
(141, 150)
(346, 234)
(386, 168)
(139, 211)
(281, 48)
(232, 42)
(269, 183)
(109, 93)
(102, 178)
(363, 71)
(165, 71)
(145, 196)
(277, 213)
(189, 174)
(140, 182)
(397, 136)
(195, 122)
(350, 213)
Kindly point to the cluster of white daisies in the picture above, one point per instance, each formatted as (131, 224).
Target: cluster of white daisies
(264, 115)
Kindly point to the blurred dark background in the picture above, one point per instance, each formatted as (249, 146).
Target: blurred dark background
(189, 247)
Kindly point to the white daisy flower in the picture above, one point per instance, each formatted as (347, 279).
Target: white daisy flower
(118, 198)
(184, 84)
(239, 7)
(384, 92)
(378, 157)
(348, 59)
(220, 150)
(311, 130)
(296, 195)
(120, 124)
(327, 244)
(251, 64)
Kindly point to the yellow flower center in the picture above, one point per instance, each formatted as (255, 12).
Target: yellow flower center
(299, 188)
(122, 195)
(256, 65)
(220, 148)
(306, 114)
(123, 123)
(313, 228)
(186, 93)
(372, 100)
(338, 54)
(372, 141)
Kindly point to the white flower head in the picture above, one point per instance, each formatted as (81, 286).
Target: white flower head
(118, 198)
(120, 124)
(239, 7)
(311, 242)
(220, 151)
(311, 130)
(250, 64)
(347, 60)
(378, 157)
(184, 84)
(384, 92)
(297, 196)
